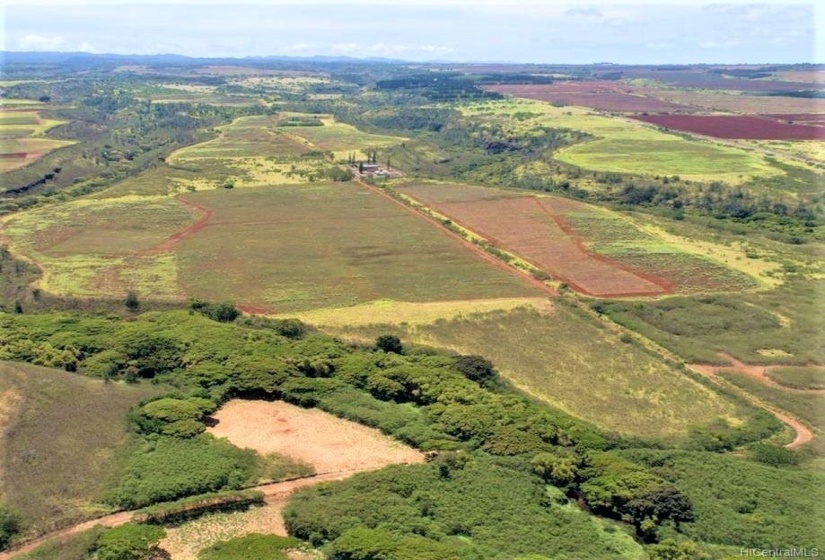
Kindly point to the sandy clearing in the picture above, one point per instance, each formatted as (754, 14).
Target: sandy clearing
(328, 443)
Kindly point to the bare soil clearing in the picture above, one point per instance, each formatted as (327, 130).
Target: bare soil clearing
(328, 443)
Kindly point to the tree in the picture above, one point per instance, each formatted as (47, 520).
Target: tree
(476, 368)
(389, 343)
(132, 302)
(128, 542)
(559, 468)
(9, 526)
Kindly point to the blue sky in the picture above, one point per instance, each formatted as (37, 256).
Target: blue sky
(651, 32)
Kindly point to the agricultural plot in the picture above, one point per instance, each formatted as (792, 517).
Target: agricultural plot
(21, 140)
(728, 126)
(594, 251)
(341, 139)
(803, 378)
(602, 96)
(46, 417)
(626, 146)
(328, 245)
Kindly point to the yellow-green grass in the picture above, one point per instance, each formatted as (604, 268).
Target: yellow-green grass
(625, 146)
(16, 124)
(810, 408)
(299, 247)
(578, 366)
(244, 137)
(96, 248)
(798, 378)
(389, 312)
(813, 150)
(62, 442)
(6, 102)
(342, 139)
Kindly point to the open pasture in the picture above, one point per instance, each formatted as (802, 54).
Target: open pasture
(328, 245)
(62, 441)
(623, 145)
(803, 378)
(730, 126)
(103, 247)
(594, 251)
(573, 363)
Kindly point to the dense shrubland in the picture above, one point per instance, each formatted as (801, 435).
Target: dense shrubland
(526, 461)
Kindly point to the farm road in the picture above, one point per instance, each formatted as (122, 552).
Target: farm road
(275, 495)
(757, 372)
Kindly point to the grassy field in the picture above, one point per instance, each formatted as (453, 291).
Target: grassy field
(328, 245)
(574, 364)
(774, 327)
(625, 146)
(798, 378)
(62, 442)
(102, 247)
(389, 312)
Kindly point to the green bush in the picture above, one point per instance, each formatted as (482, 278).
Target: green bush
(251, 547)
(128, 542)
(170, 468)
(9, 526)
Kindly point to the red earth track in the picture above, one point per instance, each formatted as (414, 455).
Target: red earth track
(736, 127)
(168, 243)
(757, 372)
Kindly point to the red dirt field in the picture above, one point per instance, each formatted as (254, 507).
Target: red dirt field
(736, 127)
(16, 155)
(534, 228)
(603, 96)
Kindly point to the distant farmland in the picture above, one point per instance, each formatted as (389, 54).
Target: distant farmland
(731, 126)
(594, 251)
(603, 96)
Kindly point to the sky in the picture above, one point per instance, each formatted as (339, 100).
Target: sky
(531, 31)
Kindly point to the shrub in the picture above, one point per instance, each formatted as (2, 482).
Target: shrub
(9, 526)
(128, 542)
(389, 343)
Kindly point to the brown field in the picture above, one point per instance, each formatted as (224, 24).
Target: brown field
(326, 442)
(535, 229)
(736, 127)
(603, 96)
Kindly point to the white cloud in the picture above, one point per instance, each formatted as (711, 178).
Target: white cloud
(34, 42)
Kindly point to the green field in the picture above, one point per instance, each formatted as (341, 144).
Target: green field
(798, 378)
(574, 364)
(775, 327)
(624, 146)
(54, 414)
(328, 245)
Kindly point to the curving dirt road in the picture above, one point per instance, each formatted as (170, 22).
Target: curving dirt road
(204, 215)
(757, 372)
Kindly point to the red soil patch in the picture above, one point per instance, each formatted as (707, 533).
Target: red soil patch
(799, 118)
(15, 155)
(535, 229)
(736, 127)
(603, 96)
